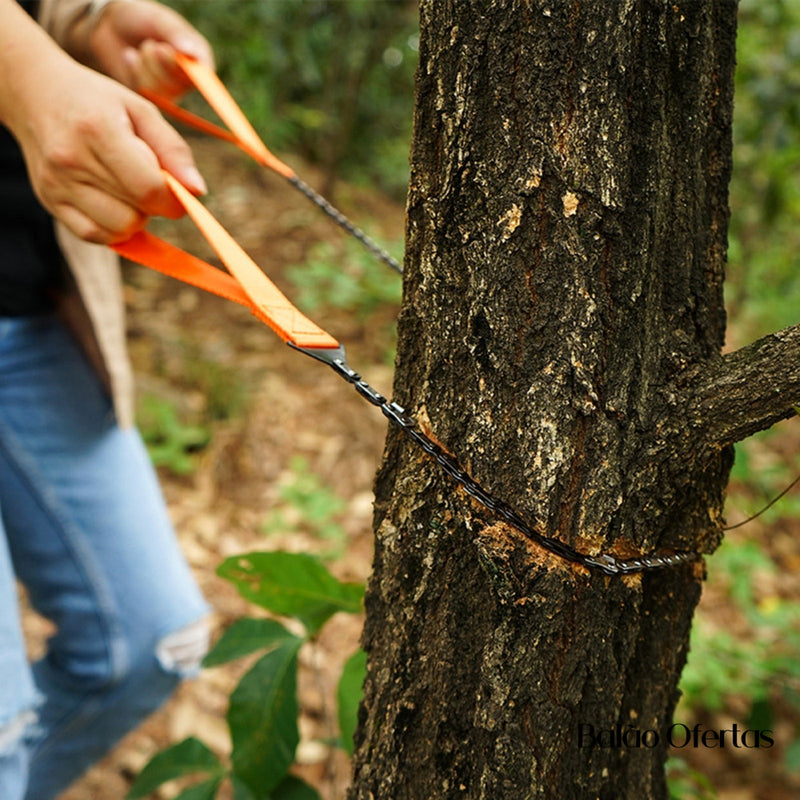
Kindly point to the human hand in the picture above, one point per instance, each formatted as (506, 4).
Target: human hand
(135, 43)
(95, 150)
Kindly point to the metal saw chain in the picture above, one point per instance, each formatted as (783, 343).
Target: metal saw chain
(397, 416)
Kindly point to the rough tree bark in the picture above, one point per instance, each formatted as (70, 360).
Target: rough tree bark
(561, 334)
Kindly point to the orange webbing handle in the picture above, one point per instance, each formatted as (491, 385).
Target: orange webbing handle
(217, 96)
(246, 284)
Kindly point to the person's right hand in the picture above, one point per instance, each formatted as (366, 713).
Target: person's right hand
(95, 151)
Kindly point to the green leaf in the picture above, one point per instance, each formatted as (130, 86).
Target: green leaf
(791, 758)
(262, 717)
(240, 790)
(202, 791)
(684, 782)
(245, 636)
(761, 716)
(292, 584)
(291, 788)
(349, 695)
(185, 758)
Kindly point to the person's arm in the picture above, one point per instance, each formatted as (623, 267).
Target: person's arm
(93, 148)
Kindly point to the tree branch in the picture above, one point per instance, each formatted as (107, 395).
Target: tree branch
(750, 389)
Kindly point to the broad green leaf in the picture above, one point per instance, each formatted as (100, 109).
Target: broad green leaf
(293, 585)
(240, 790)
(292, 788)
(245, 636)
(349, 695)
(202, 791)
(185, 758)
(262, 717)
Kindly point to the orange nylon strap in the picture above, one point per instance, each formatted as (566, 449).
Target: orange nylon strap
(248, 285)
(217, 96)
(181, 114)
(150, 251)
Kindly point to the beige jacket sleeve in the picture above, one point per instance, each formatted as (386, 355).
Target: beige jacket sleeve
(92, 305)
(58, 16)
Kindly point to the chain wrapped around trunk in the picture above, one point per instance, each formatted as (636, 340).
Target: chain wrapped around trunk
(604, 562)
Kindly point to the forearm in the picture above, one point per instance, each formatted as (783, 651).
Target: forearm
(27, 56)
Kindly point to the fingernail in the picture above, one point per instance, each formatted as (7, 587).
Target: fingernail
(193, 180)
(187, 46)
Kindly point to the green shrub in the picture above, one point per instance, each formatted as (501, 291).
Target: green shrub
(263, 709)
(171, 441)
(306, 503)
(764, 250)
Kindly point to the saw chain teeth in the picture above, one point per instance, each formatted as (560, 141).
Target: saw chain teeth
(397, 416)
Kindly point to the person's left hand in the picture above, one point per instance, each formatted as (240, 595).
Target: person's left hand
(134, 42)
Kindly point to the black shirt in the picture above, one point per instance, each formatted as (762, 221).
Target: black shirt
(29, 256)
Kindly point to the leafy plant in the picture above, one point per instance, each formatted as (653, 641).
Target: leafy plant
(764, 279)
(263, 710)
(762, 666)
(685, 783)
(171, 441)
(221, 385)
(763, 284)
(760, 476)
(307, 503)
(346, 277)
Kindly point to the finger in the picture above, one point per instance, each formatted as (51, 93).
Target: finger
(159, 72)
(171, 151)
(177, 32)
(132, 164)
(171, 28)
(99, 218)
(106, 167)
(197, 47)
(82, 226)
(119, 163)
(132, 60)
(107, 211)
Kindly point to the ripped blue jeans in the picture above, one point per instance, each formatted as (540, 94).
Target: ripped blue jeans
(84, 527)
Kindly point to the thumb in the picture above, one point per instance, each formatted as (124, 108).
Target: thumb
(195, 46)
(171, 28)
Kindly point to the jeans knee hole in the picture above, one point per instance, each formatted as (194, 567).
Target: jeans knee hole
(182, 651)
(12, 732)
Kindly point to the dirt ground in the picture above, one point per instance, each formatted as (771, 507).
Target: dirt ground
(291, 408)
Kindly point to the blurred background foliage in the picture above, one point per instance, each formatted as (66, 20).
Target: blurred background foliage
(331, 80)
(764, 250)
(744, 661)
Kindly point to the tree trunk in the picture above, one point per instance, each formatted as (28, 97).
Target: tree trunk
(566, 239)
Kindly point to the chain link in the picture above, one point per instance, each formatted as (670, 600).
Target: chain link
(608, 564)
